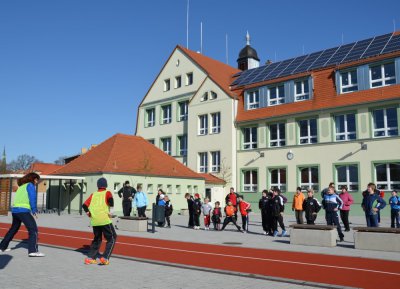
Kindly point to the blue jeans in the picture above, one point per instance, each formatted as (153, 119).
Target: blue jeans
(29, 223)
(372, 220)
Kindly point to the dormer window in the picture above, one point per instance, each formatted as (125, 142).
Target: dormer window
(189, 78)
(348, 81)
(178, 82)
(276, 95)
(253, 99)
(213, 95)
(204, 97)
(382, 75)
(301, 90)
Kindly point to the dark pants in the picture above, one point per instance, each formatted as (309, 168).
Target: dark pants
(372, 220)
(141, 212)
(109, 234)
(127, 208)
(168, 218)
(344, 215)
(227, 220)
(197, 220)
(333, 219)
(275, 221)
(191, 219)
(266, 222)
(310, 218)
(216, 221)
(299, 216)
(394, 215)
(29, 223)
(245, 223)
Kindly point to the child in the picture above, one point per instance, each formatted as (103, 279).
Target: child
(206, 208)
(99, 207)
(230, 216)
(244, 208)
(332, 203)
(217, 215)
(394, 202)
(311, 206)
(277, 207)
(197, 211)
(168, 211)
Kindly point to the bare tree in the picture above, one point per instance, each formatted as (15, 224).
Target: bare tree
(60, 161)
(225, 171)
(23, 162)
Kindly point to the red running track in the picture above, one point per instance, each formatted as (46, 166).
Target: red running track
(328, 269)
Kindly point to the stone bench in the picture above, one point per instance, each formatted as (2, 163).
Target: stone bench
(375, 238)
(132, 224)
(313, 235)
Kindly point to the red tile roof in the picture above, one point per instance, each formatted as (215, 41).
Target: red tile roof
(44, 168)
(211, 179)
(127, 154)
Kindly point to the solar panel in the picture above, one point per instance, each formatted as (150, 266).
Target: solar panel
(279, 69)
(245, 80)
(325, 56)
(392, 45)
(340, 54)
(264, 72)
(357, 50)
(376, 46)
(293, 65)
(312, 57)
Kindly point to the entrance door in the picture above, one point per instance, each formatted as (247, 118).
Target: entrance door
(208, 194)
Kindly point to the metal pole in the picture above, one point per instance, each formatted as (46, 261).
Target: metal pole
(153, 219)
(9, 201)
(81, 199)
(37, 193)
(69, 197)
(48, 203)
(59, 196)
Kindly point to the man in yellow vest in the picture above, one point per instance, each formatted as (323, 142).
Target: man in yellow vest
(99, 207)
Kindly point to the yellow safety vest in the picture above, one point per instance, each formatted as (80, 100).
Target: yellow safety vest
(21, 199)
(99, 209)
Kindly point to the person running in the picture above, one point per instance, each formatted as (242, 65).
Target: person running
(372, 203)
(216, 215)
(332, 203)
(277, 208)
(394, 202)
(230, 216)
(206, 209)
(311, 207)
(127, 193)
(24, 211)
(244, 208)
(141, 202)
(345, 210)
(297, 205)
(99, 207)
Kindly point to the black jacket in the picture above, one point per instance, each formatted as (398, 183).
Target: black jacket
(197, 206)
(168, 209)
(276, 205)
(263, 204)
(126, 192)
(310, 206)
(190, 203)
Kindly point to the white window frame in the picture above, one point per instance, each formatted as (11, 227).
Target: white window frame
(167, 84)
(281, 136)
(303, 95)
(215, 161)
(183, 116)
(166, 119)
(309, 137)
(204, 97)
(150, 117)
(215, 123)
(386, 129)
(348, 182)
(252, 186)
(352, 86)
(384, 80)
(203, 124)
(279, 184)
(390, 185)
(203, 162)
(166, 143)
(178, 81)
(309, 184)
(280, 99)
(189, 78)
(213, 95)
(253, 99)
(182, 145)
(250, 144)
(346, 133)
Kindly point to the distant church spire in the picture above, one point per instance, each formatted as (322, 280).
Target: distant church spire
(3, 164)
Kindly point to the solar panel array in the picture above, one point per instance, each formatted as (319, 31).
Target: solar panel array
(378, 45)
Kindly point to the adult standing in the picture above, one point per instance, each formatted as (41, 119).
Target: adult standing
(233, 198)
(265, 216)
(332, 203)
(190, 203)
(297, 205)
(141, 201)
(345, 210)
(127, 193)
(372, 203)
(24, 210)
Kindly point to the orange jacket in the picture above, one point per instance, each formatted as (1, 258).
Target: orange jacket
(298, 201)
(230, 211)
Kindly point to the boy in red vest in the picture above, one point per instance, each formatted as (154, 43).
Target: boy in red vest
(244, 208)
(99, 207)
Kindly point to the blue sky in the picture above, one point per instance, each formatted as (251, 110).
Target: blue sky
(73, 72)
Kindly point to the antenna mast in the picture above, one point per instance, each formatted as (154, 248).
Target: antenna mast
(226, 48)
(187, 25)
(201, 37)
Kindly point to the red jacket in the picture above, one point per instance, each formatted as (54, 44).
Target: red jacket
(347, 201)
(243, 207)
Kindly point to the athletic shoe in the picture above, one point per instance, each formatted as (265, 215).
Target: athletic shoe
(265, 233)
(5, 250)
(341, 240)
(283, 233)
(89, 261)
(104, 261)
(275, 233)
(36, 254)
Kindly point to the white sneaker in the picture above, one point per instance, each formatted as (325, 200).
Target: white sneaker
(6, 250)
(265, 233)
(36, 254)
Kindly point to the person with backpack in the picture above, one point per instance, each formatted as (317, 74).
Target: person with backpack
(311, 207)
(372, 203)
(197, 211)
(394, 202)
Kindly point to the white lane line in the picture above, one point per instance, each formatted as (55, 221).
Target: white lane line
(230, 256)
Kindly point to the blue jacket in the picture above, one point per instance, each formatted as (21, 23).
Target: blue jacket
(394, 202)
(372, 201)
(140, 200)
(32, 201)
(332, 202)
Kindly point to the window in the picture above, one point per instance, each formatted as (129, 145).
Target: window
(167, 84)
(276, 95)
(387, 176)
(149, 188)
(250, 138)
(183, 110)
(166, 145)
(166, 114)
(308, 131)
(385, 122)
(309, 178)
(345, 127)
(204, 97)
(203, 124)
(150, 117)
(213, 95)
(250, 181)
(203, 162)
(215, 161)
(182, 139)
(151, 141)
(178, 189)
(347, 175)
(382, 75)
(253, 99)
(348, 81)
(178, 81)
(216, 122)
(277, 136)
(189, 78)
(301, 90)
(278, 178)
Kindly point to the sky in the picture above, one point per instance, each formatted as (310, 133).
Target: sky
(73, 72)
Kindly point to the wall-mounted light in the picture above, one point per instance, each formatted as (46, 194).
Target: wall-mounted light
(364, 146)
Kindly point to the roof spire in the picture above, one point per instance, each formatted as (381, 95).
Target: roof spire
(247, 38)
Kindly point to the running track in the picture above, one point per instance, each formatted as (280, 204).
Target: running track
(336, 270)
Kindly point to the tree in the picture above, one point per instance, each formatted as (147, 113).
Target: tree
(23, 162)
(225, 171)
(60, 161)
